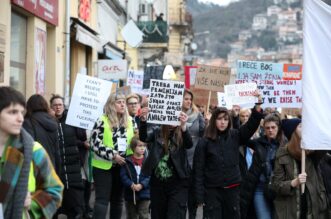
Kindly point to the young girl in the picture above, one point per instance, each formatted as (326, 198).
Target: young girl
(168, 166)
(136, 184)
(216, 164)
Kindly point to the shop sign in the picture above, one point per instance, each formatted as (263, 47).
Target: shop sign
(44, 9)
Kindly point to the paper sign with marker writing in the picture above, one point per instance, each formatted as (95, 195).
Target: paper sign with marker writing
(223, 101)
(241, 94)
(282, 93)
(112, 69)
(165, 102)
(212, 78)
(251, 70)
(88, 99)
(135, 81)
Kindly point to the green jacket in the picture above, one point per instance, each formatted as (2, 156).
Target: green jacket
(287, 202)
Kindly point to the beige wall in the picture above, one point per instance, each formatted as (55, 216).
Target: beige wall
(55, 52)
(5, 13)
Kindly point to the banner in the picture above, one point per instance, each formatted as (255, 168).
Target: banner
(212, 78)
(112, 69)
(279, 93)
(165, 102)
(241, 94)
(316, 77)
(88, 99)
(190, 74)
(135, 81)
(252, 70)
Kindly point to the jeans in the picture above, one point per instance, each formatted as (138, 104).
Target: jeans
(108, 188)
(262, 207)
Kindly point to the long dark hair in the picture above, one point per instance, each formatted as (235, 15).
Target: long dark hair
(165, 134)
(274, 117)
(212, 130)
(36, 103)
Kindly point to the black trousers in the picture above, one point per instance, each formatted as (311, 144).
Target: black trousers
(72, 203)
(222, 203)
(108, 188)
(168, 199)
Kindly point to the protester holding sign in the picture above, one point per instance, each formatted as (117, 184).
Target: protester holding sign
(111, 135)
(287, 178)
(196, 127)
(167, 165)
(216, 163)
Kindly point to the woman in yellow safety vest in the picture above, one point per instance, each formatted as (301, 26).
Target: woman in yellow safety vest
(110, 138)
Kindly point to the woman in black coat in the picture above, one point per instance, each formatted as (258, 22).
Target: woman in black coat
(43, 127)
(168, 167)
(216, 164)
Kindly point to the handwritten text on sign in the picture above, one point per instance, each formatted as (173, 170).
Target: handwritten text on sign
(165, 102)
(112, 69)
(212, 78)
(241, 94)
(135, 81)
(89, 96)
(280, 93)
(249, 70)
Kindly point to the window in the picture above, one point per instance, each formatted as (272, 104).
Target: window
(18, 52)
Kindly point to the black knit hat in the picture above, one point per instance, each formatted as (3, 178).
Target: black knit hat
(289, 126)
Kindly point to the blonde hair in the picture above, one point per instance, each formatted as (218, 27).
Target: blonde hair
(110, 111)
(243, 110)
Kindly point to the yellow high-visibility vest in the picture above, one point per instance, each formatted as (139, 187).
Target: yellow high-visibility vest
(101, 163)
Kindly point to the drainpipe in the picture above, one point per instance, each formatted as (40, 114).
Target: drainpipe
(67, 56)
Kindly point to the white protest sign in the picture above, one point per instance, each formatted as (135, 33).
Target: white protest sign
(165, 102)
(241, 94)
(88, 99)
(284, 93)
(223, 101)
(135, 81)
(112, 69)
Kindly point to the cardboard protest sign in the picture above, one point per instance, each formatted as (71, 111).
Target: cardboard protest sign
(88, 99)
(280, 93)
(165, 102)
(251, 70)
(223, 100)
(201, 97)
(125, 90)
(152, 72)
(135, 81)
(212, 78)
(241, 94)
(292, 72)
(112, 69)
(190, 75)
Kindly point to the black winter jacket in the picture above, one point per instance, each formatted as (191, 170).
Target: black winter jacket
(216, 163)
(178, 156)
(44, 129)
(71, 142)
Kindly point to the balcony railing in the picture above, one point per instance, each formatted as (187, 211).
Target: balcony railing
(155, 31)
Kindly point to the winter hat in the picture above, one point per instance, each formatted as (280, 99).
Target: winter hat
(289, 126)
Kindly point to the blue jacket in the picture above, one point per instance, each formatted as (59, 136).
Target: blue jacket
(127, 182)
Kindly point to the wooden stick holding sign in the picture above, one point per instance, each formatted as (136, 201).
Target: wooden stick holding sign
(303, 168)
(208, 102)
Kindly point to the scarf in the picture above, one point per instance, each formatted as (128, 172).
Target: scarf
(15, 204)
(192, 116)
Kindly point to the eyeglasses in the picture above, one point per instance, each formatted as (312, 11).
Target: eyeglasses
(132, 104)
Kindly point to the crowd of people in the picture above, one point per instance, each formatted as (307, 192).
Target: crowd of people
(239, 163)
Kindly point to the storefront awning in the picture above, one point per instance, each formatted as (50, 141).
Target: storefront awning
(112, 51)
(87, 37)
